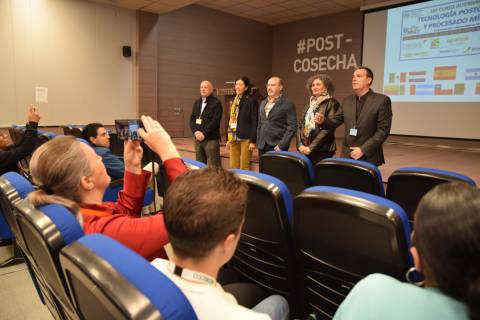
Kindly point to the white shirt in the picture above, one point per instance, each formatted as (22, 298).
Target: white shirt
(209, 302)
(204, 104)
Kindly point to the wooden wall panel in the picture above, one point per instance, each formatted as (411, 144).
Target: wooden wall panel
(197, 43)
(147, 63)
(345, 31)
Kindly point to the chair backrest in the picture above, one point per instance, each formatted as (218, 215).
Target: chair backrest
(13, 188)
(46, 230)
(67, 130)
(265, 252)
(77, 132)
(193, 164)
(407, 186)
(127, 286)
(116, 145)
(293, 168)
(350, 174)
(341, 236)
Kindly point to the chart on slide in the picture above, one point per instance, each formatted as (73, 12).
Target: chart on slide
(433, 52)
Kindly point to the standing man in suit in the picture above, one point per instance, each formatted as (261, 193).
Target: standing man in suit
(205, 125)
(277, 119)
(368, 118)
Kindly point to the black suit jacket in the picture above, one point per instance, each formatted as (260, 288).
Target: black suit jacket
(280, 126)
(247, 118)
(211, 116)
(373, 126)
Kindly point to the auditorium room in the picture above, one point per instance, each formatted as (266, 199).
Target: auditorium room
(240, 159)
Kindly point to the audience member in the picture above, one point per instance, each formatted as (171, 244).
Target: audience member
(10, 154)
(242, 126)
(446, 249)
(367, 116)
(312, 140)
(97, 136)
(205, 125)
(204, 213)
(277, 119)
(70, 173)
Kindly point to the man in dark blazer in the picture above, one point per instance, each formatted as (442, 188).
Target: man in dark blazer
(368, 118)
(277, 119)
(205, 125)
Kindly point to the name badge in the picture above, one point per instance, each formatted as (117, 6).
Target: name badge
(353, 132)
(198, 121)
(233, 125)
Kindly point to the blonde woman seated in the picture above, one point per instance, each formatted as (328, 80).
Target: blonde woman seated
(446, 249)
(242, 126)
(70, 173)
(316, 142)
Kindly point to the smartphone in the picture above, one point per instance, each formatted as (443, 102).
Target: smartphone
(128, 129)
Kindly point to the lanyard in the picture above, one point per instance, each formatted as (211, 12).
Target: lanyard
(191, 275)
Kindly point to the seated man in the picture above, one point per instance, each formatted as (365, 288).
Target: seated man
(10, 154)
(97, 136)
(204, 212)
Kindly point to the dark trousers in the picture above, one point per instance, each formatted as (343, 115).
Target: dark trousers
(265, 149)
(317, 156)
(208, 151)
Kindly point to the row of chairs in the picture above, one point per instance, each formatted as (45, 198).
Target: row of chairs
(297, 246)
(85, 277)
(405, 186)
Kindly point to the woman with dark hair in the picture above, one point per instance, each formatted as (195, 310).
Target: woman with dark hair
(446, 249)
(242, 126)
(70, 173)
(312, 140)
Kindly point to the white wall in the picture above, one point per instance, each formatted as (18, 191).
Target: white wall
(75, 49)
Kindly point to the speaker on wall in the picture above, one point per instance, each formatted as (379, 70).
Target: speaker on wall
(127, 51)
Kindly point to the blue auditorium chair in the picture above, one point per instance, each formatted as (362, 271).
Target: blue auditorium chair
(265, 253)
(193, 164)
(126, 286)
(46, 230)
(13, 188)
(407, 186)
(293, 168)
(341, 236)
(350, 174)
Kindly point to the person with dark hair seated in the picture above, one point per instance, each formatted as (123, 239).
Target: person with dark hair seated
(97, 136)
(10, 154)
(204, 214)
(446, 249)
(70, 173)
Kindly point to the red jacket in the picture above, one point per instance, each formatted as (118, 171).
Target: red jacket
(121, 220)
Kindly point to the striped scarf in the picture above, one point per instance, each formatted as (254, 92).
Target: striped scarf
(232, 132)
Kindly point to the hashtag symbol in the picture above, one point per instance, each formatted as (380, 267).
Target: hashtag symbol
(301, 46)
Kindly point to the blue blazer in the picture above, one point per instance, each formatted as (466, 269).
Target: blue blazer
(280, 125)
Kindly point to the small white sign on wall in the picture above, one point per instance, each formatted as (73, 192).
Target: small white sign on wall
(41, 94)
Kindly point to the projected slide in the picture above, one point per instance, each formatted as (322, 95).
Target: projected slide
(433, 52)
